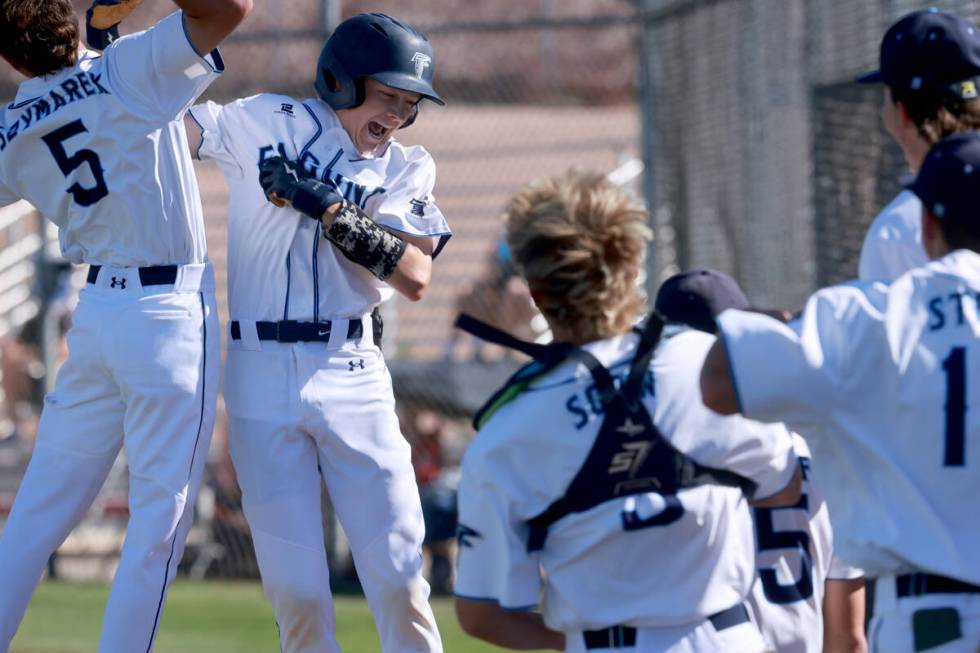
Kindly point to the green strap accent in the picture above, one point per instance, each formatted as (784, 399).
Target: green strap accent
(506, 395)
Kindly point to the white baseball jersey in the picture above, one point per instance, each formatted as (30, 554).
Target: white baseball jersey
(303, 276)
(593, 572)
(879, 378)
(794, 558)
(893, 244)
(110, 127)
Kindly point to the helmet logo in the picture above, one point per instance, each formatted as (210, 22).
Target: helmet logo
(421, 61)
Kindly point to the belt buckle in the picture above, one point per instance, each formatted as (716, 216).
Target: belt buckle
(287, 331)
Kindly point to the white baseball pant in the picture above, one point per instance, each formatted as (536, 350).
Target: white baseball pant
(302, 411)
(141, 374)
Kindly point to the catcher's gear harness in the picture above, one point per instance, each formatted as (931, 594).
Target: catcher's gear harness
(606, 474)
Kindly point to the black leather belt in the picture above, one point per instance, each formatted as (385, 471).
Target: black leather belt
(293, 331)
(620, 636)
(919, 584)
(157, 275)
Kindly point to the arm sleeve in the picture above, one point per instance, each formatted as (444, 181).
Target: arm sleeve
(157, 73)
(893, 244)
(789, 372)
(408, 207)
(763, 453)
(493, 563)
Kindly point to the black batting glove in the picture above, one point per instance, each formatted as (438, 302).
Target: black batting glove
(284, 180)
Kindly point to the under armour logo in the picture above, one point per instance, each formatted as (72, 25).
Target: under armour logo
(118, 282)
(421, 61)
(358, 363)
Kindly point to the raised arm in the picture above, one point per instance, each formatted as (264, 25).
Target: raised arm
(208, 22)
(717, 387)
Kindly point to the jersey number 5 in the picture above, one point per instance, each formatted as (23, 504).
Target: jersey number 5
(55, 142)
(798, 540)
(955, 366)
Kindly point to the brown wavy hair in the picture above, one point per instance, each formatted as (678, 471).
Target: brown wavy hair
(39, 36)
(938, 114)
(580, 241)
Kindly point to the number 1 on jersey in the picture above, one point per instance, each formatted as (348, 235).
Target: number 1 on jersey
(955, 366)
(67, 163)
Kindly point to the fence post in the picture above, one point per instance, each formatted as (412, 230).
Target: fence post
(648, 140)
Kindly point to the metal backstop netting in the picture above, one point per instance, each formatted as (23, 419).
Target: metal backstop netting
(766, 159)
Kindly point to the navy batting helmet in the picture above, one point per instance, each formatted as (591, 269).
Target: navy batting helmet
(376, 46)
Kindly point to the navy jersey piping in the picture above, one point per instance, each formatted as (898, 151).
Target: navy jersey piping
(316, 136)
(316, 273)
(285, 309)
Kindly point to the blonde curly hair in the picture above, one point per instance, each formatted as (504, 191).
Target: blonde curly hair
(580, 242)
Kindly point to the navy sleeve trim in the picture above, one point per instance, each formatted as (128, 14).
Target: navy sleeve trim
(197, 153)
(219, 64)
(319, 131)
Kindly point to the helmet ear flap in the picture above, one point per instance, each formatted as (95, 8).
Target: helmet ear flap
(411, 118)
(333, 83)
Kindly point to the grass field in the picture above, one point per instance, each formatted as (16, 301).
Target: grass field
(206, 617)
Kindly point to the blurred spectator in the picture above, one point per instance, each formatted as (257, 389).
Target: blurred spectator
(500, 298)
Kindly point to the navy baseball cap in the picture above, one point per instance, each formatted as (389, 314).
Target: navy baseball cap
(930, 50)
(695, 297)
(949, 180)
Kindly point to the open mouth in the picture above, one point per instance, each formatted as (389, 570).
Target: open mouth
(376, 129)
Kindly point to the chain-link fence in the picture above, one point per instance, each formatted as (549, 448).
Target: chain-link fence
(767, 160)
(763, 159)
(534, 88)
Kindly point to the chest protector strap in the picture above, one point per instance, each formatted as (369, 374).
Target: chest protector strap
(629, 455)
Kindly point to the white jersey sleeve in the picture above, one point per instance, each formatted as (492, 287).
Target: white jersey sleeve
(162, 80)
(218, 142)
(407, 206)
(812, 353)
(893, 244)
(840, 570)
(7, 196)
(760, 452)
(506, 573)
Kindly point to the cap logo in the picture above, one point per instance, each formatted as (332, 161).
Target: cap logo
(939, 209)
(968, 90)
(916, 83)
(421, 61)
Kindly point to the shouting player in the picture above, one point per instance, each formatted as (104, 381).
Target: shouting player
(807, 600)
(95, 142)
(930, 69)
(597, 477)
(880, 378)
(308, 393)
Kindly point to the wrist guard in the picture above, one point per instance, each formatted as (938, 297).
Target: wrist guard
(312, 197)
(361, 240)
